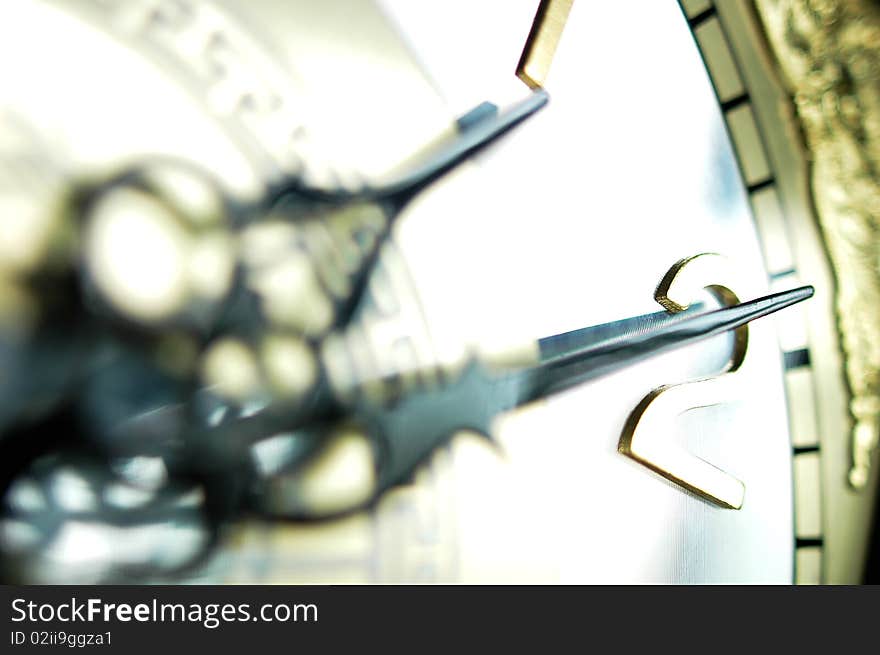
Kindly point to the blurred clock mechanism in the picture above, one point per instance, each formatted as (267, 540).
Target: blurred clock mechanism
(264, 264)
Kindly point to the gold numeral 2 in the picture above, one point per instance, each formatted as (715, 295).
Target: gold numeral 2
(644, 437)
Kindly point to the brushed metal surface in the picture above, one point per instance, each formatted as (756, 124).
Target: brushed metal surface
(571, 221)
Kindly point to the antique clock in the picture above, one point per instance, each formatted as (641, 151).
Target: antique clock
(560, 170)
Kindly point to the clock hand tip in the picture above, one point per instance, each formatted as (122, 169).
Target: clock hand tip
(745, 312)
(791, 296)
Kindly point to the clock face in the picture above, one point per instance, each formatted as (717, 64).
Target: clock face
(639, 176)
(572, 221)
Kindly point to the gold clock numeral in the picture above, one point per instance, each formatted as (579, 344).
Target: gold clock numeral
(534, 64)
(644, 437)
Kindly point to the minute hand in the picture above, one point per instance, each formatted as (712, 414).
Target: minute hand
(420, 422)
